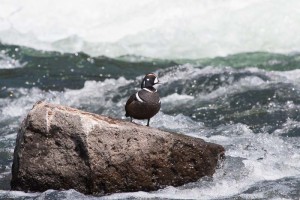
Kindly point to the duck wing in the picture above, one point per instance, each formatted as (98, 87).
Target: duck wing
(129, 101)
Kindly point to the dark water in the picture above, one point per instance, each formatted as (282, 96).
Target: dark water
(247, 102)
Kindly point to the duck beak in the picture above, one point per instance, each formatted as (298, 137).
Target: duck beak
(156, 81)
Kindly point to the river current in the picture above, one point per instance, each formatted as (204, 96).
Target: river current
(231, 79)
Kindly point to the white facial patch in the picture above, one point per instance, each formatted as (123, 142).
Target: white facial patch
(138, 98)
(155, 80)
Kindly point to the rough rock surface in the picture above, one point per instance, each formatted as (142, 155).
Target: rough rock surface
(60, 147)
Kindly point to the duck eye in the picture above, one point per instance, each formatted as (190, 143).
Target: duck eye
(148, 79)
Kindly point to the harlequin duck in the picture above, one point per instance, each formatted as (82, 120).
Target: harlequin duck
(145, 103)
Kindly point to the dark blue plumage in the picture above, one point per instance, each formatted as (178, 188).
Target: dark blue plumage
(145, 103)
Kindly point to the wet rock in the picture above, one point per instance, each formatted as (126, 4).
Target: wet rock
(60, 147)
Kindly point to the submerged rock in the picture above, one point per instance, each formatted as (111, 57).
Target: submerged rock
(60, 147)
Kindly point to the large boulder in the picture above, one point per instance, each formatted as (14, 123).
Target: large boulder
(60, 147)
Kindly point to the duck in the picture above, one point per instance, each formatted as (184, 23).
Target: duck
(145, 103)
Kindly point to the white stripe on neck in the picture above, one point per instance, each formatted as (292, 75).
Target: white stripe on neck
(149, 90)
(138, 98)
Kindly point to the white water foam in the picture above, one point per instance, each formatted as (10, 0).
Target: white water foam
(26, 98)
(7, 62)
(292, 76)
(251, 158)
(161, 29)
(93, 94)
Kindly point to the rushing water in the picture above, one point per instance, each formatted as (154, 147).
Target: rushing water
(230, 72)
(235, 101)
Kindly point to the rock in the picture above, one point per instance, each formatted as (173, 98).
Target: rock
(60, 147)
